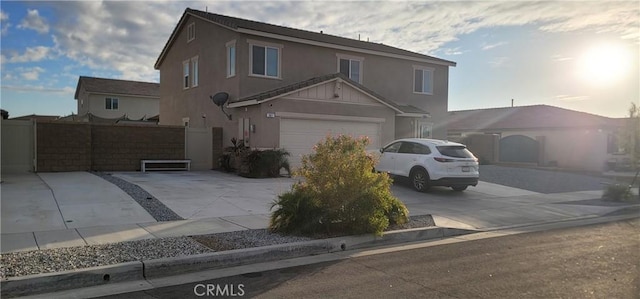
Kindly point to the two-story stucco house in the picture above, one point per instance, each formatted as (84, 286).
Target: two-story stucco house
(111, 98)
(289, 88)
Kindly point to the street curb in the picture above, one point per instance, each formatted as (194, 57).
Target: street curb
(151, 269)
(223, 259)
(51, 282)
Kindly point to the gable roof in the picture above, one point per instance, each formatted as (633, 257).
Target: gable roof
(254, 27)
(282, 91)
(120, 87)
(525, 117)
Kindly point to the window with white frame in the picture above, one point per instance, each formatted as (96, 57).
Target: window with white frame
(423, 80)
(194, 69)
(265, 60)
(111, 103)
(231, 59)
(351, 68)
(191, 32)
(185, 74)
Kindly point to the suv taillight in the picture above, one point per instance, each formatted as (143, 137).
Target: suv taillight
(439, 159)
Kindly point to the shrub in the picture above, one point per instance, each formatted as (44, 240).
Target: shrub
(262, 164)
(297, 213)
(617, 192)
(345, 196)
(230, 158)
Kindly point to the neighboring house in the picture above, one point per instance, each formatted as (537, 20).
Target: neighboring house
(289, 88)
(115, 99)
(542, 135)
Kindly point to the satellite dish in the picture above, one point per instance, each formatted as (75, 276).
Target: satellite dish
(220, 98)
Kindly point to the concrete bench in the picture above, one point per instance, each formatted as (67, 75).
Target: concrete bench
(184, 165)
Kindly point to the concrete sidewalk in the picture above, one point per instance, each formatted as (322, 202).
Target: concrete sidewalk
(36, 207)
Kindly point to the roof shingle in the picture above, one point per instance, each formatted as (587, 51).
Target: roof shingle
(115, 86)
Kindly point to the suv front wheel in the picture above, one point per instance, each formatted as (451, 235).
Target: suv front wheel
(420, 180)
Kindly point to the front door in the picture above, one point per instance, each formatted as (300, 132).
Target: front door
(423, 129)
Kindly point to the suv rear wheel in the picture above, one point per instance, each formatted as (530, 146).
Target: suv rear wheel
(459, 188)
(420, 180)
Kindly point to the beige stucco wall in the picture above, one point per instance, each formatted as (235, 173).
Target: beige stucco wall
(584, 149)
(176, 102)
(298, 62)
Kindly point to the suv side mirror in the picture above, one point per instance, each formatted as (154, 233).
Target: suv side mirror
(381, 150)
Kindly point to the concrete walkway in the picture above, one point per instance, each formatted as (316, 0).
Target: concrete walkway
(52, 210)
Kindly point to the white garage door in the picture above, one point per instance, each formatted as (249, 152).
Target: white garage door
(298, 136)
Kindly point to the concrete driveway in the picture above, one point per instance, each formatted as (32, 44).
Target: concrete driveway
(49, 210)
(206, 194)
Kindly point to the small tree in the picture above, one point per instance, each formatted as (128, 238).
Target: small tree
(340, 193)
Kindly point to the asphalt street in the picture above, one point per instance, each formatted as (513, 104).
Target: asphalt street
(596, 261)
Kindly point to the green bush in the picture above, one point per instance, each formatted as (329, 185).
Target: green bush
(262, 164)
(339, 193)
(230, 159)
(617, 192)
(297, 213)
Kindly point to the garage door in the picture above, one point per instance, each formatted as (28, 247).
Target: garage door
(298, 136)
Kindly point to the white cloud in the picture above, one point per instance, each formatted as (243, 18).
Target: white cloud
(559, 57)
(4, 20)
(451, 51)
(30, 55)
(30, 74)
(34, 21)
(491, 46)
(39, 88)
(498, 62)
(569, 98)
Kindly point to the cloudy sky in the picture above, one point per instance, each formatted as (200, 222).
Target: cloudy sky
(577, 55)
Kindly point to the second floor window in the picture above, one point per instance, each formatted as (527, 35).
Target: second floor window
(423, 80)
(351, 68)
(191, 32)
(185, 74)
(111, 103)
(265, 61)
(231, 59)
(194, 68)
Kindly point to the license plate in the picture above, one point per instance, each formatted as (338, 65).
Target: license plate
(466, 168)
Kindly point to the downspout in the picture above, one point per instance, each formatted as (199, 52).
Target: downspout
(35, 145)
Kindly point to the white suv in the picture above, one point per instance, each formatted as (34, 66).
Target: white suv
(430, 162)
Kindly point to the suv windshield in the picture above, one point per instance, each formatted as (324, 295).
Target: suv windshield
(455, 151)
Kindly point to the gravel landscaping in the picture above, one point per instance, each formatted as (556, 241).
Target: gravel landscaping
(69, 258)
(23, 263)
(152, 205)
(542, 181)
